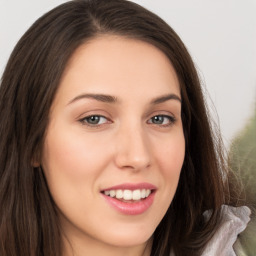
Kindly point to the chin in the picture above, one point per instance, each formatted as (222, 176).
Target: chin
(127, 238)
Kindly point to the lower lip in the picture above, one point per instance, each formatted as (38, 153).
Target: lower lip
(131, 208)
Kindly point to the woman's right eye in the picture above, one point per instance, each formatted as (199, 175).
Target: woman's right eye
(94, 120)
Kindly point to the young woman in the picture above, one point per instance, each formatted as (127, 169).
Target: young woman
(106, 145)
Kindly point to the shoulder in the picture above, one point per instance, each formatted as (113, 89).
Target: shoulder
(234, 220)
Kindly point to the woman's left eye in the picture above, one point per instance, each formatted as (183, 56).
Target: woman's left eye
(94, 120)
(163, 120)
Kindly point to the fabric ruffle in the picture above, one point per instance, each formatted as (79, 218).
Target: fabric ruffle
(234, 221)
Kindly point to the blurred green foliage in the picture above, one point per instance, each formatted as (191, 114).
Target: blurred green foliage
(242, 157)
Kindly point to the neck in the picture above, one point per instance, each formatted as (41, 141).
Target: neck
(81, 247)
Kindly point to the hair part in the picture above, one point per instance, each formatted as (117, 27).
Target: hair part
(28, 218)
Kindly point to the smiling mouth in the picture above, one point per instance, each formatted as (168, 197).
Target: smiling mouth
(128, 195)
(130, 199)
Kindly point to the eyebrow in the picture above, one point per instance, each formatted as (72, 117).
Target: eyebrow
(98, 97)
(112, 99)
(165, 98)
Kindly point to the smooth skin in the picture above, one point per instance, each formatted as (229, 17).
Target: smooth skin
(116, 119)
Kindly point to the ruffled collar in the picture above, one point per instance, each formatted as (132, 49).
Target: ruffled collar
(234, 221)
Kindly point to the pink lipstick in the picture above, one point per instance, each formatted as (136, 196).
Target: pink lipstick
(130, 199)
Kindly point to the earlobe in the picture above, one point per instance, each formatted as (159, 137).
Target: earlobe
(35, 162)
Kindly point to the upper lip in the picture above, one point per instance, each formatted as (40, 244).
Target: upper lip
(132, 186)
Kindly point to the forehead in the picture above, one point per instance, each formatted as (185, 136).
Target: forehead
(110, 63)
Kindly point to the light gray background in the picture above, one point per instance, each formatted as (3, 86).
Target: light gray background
(220, 35)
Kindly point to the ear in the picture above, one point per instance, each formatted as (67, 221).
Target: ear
(35, 160)
(35, 164)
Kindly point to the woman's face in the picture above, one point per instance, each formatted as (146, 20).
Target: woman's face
(114, 146)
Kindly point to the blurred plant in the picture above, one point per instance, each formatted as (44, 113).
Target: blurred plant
(242, 160)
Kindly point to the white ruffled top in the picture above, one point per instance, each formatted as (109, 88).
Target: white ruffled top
(234, 221)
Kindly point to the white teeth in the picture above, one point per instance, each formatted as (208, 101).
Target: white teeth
(127, 194)
(107, 192)
(143, 193)
(112, 193)
(119, 194)
(136, 195)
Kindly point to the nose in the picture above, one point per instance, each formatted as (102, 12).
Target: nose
(132, 149)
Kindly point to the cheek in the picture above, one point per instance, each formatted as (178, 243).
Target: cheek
(171, 155)
(71, 168)
(170, 159)
(71, 154)
(71, 165)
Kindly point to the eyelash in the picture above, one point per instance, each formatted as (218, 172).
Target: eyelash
(170, 120)
(86, 120)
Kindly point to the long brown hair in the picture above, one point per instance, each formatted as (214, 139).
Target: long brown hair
(28, 219)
